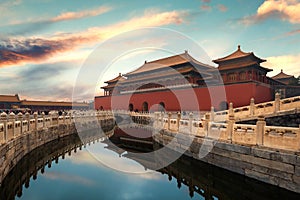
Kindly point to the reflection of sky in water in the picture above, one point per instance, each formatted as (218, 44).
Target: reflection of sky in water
(112, 159)
(81, 176)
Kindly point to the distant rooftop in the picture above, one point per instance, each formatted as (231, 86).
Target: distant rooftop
(238, 54)
(282, 75)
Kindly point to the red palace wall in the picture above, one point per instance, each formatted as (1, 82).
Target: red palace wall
(190, 99)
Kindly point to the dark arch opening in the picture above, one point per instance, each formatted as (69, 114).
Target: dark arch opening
(223, 105)
(101, 108)
(145, 107)
(130, 107)
(161, 107)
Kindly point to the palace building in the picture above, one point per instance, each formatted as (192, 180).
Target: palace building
(181, 82)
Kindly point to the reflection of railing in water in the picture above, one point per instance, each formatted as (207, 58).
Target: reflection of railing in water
(43, 156)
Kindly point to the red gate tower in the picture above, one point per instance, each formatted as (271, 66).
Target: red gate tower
(163, 82)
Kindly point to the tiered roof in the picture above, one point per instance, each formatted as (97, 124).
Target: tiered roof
(167, 62)
(239, 59)
(112, 83)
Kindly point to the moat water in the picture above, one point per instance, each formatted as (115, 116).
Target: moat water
(61, 170)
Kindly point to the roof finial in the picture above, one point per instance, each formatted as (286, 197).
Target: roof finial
(145, 61)
(239, 47)
(120, 74)
(185, 51)
(281, 70)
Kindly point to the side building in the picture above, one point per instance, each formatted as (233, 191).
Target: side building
(181, 82)
(14, 103)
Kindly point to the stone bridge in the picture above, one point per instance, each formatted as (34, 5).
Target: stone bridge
(20, 134)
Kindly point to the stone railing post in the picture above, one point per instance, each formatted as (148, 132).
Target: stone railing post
(161, 116)
(44, 120)
(178, 120)
(277, 103)
(260, 130)
(20, 118)
(12, 118)
(35, 116)
(64, 117)
(252, 107)
(4, 121)
(27, 117)
(191, 116)
(206, 123)
(212, 114)
(169, 120)
(230, 123)
(230, 110)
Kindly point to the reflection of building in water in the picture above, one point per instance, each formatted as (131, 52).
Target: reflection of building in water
(168, 82)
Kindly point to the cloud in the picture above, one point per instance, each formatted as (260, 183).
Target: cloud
(18, 51)
(34, 50)
(205, 7)
(9, 3)
(293, 32)
(81, 14)
(68, 178)
(222, 8)
(286, 10)
(33, 25)
(289, 63)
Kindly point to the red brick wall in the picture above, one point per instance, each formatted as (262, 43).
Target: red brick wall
(189, 99)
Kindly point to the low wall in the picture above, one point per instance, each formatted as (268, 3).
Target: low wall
(280, 168)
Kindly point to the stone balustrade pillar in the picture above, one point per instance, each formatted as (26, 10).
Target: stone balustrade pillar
(212, 114)
(230, 110)
(161, 116)
(191, 116)
(35, 116)
(260, 130)
(20, 118)
(12, 118)
(252, 107)
(156, 118)
(169, 120)
(64, 117)
(178, 120)
(230, 123)
(3, 117)
(27, 117)
(277, 102)
(44, 120)
(206, 123)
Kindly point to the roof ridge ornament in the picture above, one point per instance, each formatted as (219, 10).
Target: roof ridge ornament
(239, 47)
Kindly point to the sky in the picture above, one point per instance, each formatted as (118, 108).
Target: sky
(49, 49)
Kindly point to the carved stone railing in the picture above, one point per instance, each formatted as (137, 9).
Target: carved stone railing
(286, 138)
(254, 110)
